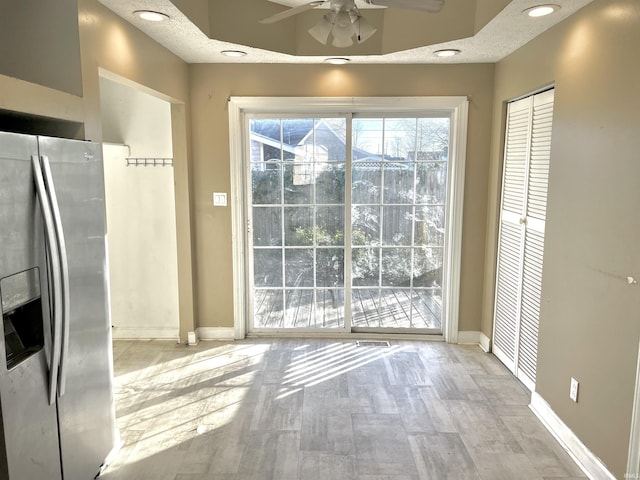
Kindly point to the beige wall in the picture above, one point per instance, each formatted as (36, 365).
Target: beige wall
(39, 43)
(589, 326)
(106, 42)
(212, 84)
(110, 43)
(112, 47)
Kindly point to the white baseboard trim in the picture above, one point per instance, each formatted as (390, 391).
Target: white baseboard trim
(469, 338)
(474, 338)
(633, 460)
(216, 333)
(591, 465)
(145, 333)
(485, 343)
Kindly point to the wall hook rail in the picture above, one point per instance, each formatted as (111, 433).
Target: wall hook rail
(147, 161)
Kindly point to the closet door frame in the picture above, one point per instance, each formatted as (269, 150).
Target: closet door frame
(527, 226)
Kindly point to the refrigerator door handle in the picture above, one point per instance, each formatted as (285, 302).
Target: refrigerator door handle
(54, 264)
(64, 272)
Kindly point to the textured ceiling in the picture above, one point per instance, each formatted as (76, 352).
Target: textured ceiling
(498, 31)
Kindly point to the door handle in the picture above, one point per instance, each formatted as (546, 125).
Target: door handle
(523, 220)
(64, 273)
(53, 261)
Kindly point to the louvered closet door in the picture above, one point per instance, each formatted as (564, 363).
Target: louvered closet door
(521, 239)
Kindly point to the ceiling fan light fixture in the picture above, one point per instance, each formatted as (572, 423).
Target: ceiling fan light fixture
(541, 10)
(344, 29)
(151, 16)
(341, 39)
(447, 52)
(343, 26)
(321, 30)
(343, 20)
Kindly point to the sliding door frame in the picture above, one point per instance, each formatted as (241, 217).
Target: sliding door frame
(455, 107)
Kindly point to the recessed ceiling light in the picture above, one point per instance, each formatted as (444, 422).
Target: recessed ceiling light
(151, 16)
(541, 10)
(447, 52)
(337, 60)
(233, 53)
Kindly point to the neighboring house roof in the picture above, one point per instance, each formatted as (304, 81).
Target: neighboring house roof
(296, 129)
(298, 132)
(265, 140)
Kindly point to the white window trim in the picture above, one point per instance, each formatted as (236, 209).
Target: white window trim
(456, 106)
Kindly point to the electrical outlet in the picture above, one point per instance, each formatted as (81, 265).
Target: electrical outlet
(573, 390)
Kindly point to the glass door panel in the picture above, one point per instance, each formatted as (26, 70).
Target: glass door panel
(399, 185)
(297, 217)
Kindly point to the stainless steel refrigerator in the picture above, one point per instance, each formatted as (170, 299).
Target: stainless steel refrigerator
(56, 372)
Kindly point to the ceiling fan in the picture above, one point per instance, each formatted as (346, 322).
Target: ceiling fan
(344, 22)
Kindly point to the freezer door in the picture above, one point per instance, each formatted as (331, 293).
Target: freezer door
(29, 446)
(86, 409)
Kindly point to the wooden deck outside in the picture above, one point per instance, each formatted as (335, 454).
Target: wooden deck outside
(394, 308)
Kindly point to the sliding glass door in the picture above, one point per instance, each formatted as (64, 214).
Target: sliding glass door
(347, 222)
(398, 222)
(298, 171)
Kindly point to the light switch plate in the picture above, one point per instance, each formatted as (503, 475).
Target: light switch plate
(219, 199)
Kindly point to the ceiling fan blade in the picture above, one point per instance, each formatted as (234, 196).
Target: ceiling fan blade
(432, 6)
(291, 12)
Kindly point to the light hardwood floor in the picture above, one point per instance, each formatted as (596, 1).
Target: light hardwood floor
(310, 409)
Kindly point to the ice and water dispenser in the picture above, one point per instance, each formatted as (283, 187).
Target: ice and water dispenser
(21, 316)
